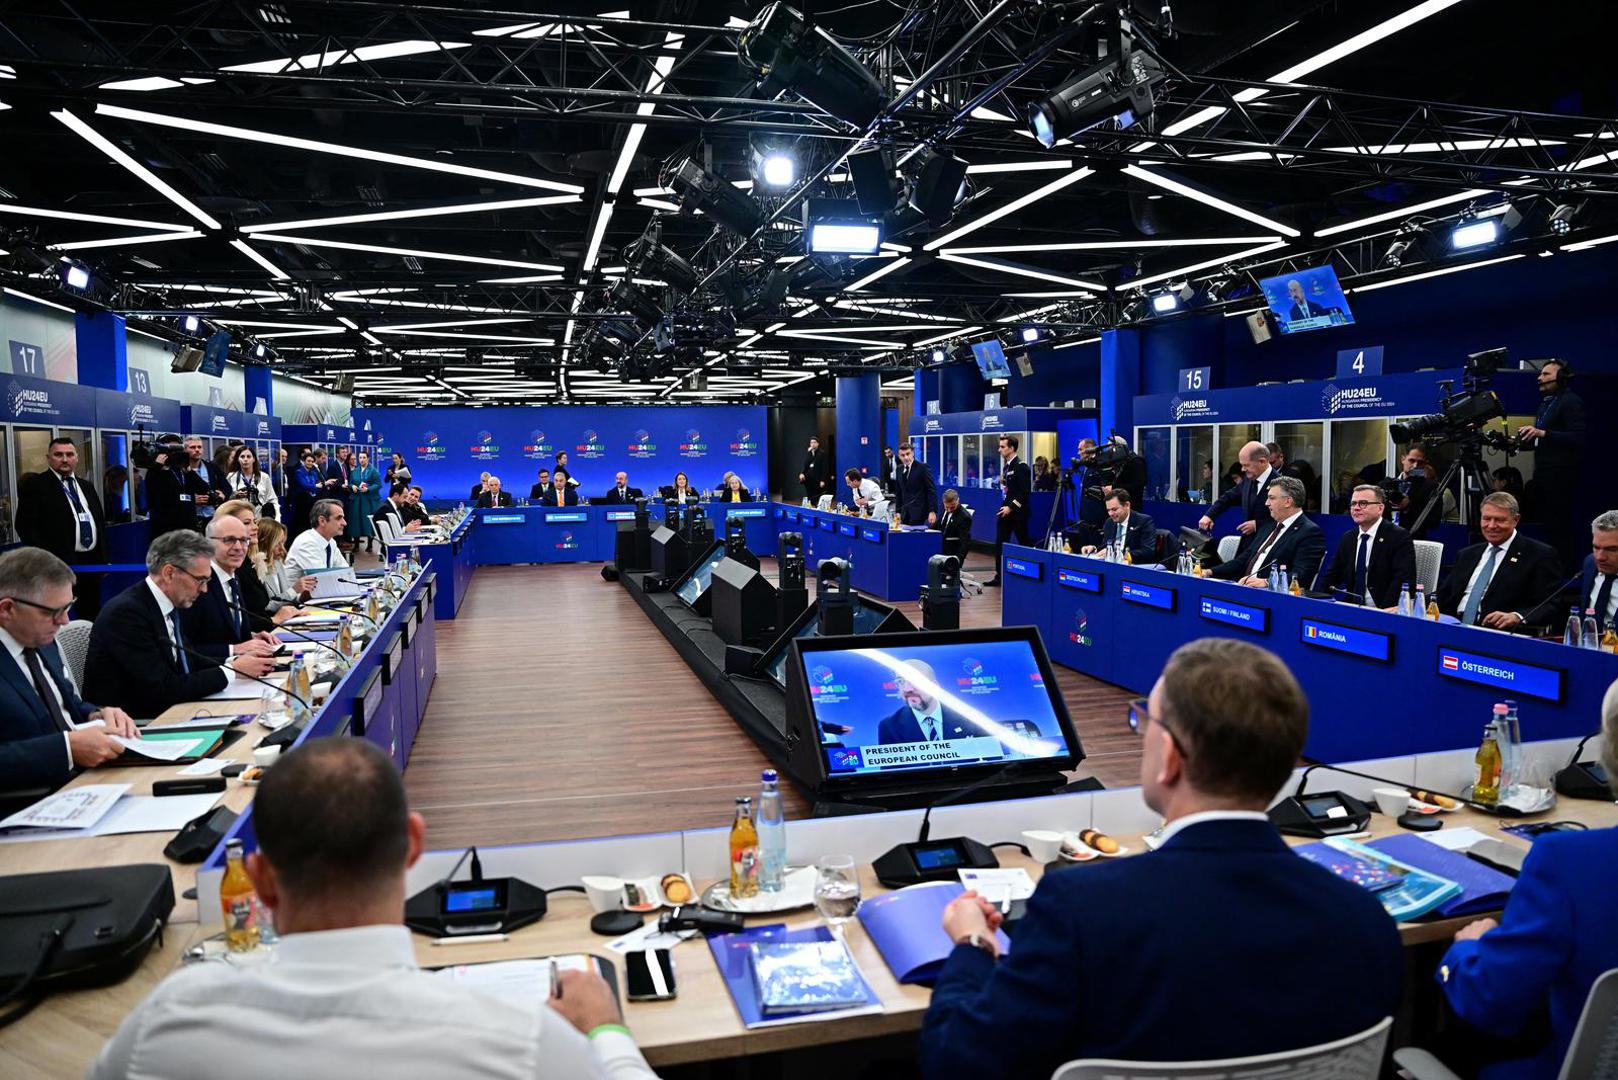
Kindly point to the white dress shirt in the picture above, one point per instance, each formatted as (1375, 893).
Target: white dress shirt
(311, 553)
(1266, 552)
(1477, 571)
(1595, 591)
(348, 1004)
(14, 648)
(166, 607)
(933, 716)
(78, 489)
(1370, 547)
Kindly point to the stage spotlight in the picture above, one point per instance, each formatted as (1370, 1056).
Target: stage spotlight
(872, 173)
(190, 324)
(1395, 255)
(937, 183)
(1165, 302)
(654, 259)
(774, 167)
(1029, 333)
(625, 297)
(1561, 219)
(836, 227)
(75, 277)
(788, 54)
(1477, 233)
(719, 199)
(939, 355)
(1118, 89)
(260, 351)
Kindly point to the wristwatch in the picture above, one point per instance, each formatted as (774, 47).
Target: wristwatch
(978, 941)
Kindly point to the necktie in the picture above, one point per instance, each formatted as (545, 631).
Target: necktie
(236, 605)
(1473, 602)
(1603, 598)
(42, 688)
(1258, 557)
(179, 643)
(86, 539)
(1360, 562)
(928, 729)
(328, 554)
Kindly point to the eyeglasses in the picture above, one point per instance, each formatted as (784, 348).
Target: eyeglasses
(54, 612)
(1361, 504)
(1140, 714)
(201, 579)
(231, 540)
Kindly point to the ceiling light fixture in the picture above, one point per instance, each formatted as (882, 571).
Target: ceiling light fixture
(1009, 208)
(92, 219)
(420, 212)
(1179, 188)
(1476, 233)
(274, 271)
(151, 179)
(480, 260)
(1007, 267)
(123, 241)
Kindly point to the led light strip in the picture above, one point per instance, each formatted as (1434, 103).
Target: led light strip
(93, 219)
(121, 241)
(882, 271)
(1009, 208)
(1169, 184)
(1194, 267)
(1110, 245)
(446, 256)
(274, 271)
(146, 176)
(420, 212)
(1022, 271)
(1430, 274)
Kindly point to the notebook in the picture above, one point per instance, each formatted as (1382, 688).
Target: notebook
(1483, 888)
(733, 953)
(907, 927)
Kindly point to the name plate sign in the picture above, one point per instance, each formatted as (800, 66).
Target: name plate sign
(1346, 639)
(1256, 619)
(1514, 675)
(1155, 596)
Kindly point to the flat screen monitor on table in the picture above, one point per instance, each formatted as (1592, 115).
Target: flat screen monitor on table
(870, 617)
(1308, 299)
(699, 578)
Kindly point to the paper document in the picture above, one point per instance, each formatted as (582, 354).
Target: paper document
(76, 808)
(1454, 839)
(200, 723)
(162, 749)
(999, 886)
(238, 689)
(524, 983)
(206, 766)
(149, 813)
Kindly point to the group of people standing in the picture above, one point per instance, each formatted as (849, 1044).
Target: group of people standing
(350, 478)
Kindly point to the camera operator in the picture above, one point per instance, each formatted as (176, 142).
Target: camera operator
(1105, 468)
(174, 490)
(1414, 486)
(1557, 439)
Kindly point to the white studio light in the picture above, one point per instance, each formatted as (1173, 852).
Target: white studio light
(844, 238)
(939, 356)
(1165, 302)
(1029, 333)
(1473, 234)
(779, 170)
(76, 277)
(190, 324)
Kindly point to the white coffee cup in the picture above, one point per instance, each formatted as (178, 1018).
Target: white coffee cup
(266, 755)
(1392, 801)
(1043, 844)
(605, 893)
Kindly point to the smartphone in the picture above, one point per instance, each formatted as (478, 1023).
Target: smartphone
(651, 975)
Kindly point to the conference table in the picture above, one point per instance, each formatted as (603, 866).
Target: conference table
(700, 1024)
(1379, 684)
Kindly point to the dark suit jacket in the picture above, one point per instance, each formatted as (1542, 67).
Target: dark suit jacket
(612, 499)
(255, 598)
(32, 753)
(957, 530)
(1306, 309)
(167, 511)
(415, 513)
(208, 624)
(1586, 597)
(1562, 447)
(1017, 484)
(131, 663)
(489, 499)
(477, 493)
(1249, 497)
(814, 472)
(1300, 549)
(570, 497)
(1140, 537)
(902, 726)
(1390, 563)
(1523, 581)
(916, 494)
(1141, 958)
(45, 518)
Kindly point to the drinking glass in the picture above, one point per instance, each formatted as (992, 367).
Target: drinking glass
(837, 890)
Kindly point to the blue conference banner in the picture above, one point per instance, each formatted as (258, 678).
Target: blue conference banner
(448, 448)
(1530, 680)
(1398, 394)
(1138, 592)
(1346, 639)
(1256, 619)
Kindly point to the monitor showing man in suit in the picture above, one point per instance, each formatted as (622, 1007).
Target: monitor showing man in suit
(1249, 496)
(914, 490)
(1223, 893)
(1504, 582)
(62, 514)
(1376, 559)
(46, 730)
(921, 717)
(1289, 540)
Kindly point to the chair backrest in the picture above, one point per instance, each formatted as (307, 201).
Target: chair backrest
(1594, 1049)
(1227, 547)
(385, 529)
(1358, 1057)
(1428, 555)
(823, 503)
(74, 641)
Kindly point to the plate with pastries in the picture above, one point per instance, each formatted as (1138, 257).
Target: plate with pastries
(1087, 844)
(1430, 802)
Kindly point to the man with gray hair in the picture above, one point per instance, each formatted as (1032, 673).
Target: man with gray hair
(46, 730)
(1374, 560)
(315, 550)
(1504, 582)
(140, 657)
(492, 495)
(1289, 539)
(1597, 592)
(1249, 495)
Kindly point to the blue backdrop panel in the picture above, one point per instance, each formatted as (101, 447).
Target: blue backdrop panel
(447, 448)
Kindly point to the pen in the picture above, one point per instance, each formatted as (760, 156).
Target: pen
(472, 939)
(556, 984)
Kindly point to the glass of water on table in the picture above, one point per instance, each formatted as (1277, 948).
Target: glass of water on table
(837, 890)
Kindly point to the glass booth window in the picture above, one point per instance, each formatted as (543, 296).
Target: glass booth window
(990, 447)
(971, 461)
(29, 447)
(951, 476)
(114, 486)
(1230, 438)
(1359, 455)
(1193, 452)
(1304, 445)
(1154, 447)
(1420, 468)
(6, 535)
(1042, 444)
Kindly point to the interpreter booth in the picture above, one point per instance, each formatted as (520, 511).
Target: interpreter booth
(962, 450)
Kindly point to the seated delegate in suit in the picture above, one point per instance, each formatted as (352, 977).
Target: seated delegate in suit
(316, 549)
(1290, 540)
(492, 495)
(956, 525)
(621, 493)
(344, 996)
(478, 489)
(733, 491)
(1503, 581)
(914, 491)
(1597, 589)
(1126, 530)
(922, 717)
(41, 737)
(269, 562)
(1555, 937)
(561, 492)
(1374, 560)
(1249, 496)
(680, 491)
(1154, 957)
(541, 485)
(138, 658)
(262, 612)
(219, 623)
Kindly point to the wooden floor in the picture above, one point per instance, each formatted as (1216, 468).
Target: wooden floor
(560, 712)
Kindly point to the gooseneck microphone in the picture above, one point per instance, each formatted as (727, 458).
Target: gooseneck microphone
(213, 661)
(1498, 810)
(289, 630)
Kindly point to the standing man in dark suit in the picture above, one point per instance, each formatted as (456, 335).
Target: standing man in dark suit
(174, 491)
(60, 513)
(814, 472)
(622, 494)
(139, 658)
(1290, 540)
(956, 525)
(1184, 932)
(542, 484)
(922, 717)
(1250, 495)
(493, 497)
(41, 737)
(220, 622)
(914, 490)
(1504, 580)
(1557, 438)
(1017, 485)
(1126, 530)
(561, 492)
(1376, 559)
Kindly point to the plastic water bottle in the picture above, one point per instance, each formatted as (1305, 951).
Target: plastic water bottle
(1514, 741)
(1274, 578)
(415, 558)
(1592, 636)
(1418, 609)
(1574, 634)
(1404, 598)
(772, 836)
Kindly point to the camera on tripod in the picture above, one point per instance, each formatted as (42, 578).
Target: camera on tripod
(157, 454)
(1463, 415)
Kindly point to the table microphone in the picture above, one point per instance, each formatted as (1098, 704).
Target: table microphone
(1499, 810)
(1528, 615)
(287, 629)
(1577, 780)
(214, 662)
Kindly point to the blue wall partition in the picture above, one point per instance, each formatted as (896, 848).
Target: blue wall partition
(859, 424)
